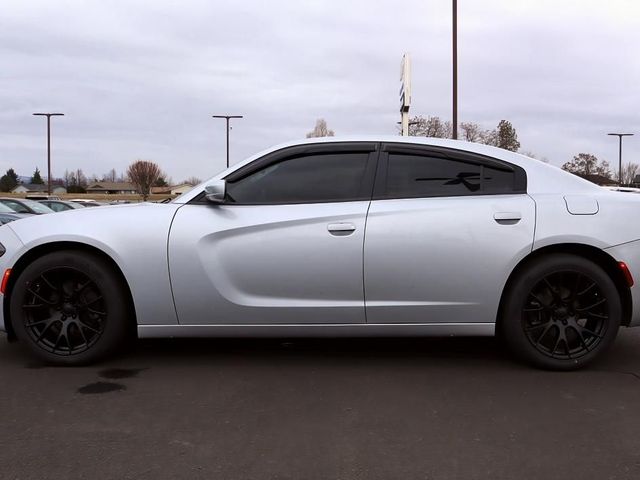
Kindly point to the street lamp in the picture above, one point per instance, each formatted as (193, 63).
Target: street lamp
(227, 118)
(49, 115)
(620, 135)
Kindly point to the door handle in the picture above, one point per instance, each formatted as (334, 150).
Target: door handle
(507, 218)
(341, 228)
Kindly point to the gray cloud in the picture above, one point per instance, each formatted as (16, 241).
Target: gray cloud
(140, 79)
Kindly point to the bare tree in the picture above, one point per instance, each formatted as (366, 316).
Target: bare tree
(81, 178)
(530, 154)
(471, 132)
(585, 164)
(192, 181)
(629, 172)
(110, 176)
(320, 130)
(69, 178)
(143, 174)
(420, 126)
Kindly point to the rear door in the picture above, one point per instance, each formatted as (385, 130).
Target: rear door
(285, 248)
(444, 231)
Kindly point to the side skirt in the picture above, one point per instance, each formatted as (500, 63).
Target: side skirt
(320, 330)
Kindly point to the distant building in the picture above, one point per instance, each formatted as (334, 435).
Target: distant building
(38, 188)
(172, 190)
(180, 189)
(112, 188)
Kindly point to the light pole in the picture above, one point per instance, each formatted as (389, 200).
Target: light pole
(455, 69)
(227, 118)
(620, 135)
(49, 115)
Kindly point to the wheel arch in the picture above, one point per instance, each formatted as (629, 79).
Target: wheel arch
(594, 254)
(46, 248)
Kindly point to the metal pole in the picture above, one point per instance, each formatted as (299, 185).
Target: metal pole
(49, 115)
(455, 70)
(227, 142)
(227, 118)
(620, 135)
(620, 161)
(48, 154)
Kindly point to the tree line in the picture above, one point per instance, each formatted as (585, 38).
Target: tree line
(143, 174)
(588, 165)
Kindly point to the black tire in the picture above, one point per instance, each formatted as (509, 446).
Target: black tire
(70, 308)
(561, 312)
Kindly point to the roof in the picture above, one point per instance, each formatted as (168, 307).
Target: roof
(541, 177)
(111, 186)
(34, 187)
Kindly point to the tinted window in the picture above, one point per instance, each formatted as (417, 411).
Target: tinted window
(308, 179)
(422, 176)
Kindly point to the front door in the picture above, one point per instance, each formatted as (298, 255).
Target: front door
(285, 248)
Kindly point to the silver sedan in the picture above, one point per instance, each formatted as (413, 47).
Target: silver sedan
(356, 237)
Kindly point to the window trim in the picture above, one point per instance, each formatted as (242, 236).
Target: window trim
(380, 187)
(299, 151)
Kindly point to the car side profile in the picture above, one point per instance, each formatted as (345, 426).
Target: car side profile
(60, 205)
(25, 205)
(364, 236)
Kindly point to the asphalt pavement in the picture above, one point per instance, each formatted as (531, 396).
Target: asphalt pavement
(320, 409)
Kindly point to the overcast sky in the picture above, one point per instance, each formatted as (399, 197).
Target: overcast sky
(140, 79)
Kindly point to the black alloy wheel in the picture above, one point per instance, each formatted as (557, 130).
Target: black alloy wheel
(64, 311)
(565, 315)
(70, 308)
(561, 311)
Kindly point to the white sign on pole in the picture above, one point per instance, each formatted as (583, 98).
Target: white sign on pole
(405, 93)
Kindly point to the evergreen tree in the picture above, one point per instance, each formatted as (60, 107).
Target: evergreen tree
(36, 179)
(8, 181)
(507, 137)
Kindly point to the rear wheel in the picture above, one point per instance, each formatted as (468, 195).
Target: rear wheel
(561, 312)
(69, 308)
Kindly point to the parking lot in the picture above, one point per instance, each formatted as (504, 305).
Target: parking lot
(325, 409)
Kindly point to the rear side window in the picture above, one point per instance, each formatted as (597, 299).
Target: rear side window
(306, 179)
(411, 176)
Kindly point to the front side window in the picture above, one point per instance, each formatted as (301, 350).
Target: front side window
(306, 179)
(411, 176)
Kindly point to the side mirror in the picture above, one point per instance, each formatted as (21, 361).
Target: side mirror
(215, 192)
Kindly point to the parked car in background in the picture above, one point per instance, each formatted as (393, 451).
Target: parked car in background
(24, 205)
(616, 188)
(60, 205)
(8, 215)
(41, 196)
(85, 202)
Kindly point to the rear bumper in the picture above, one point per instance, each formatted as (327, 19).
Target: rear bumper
(629, 253)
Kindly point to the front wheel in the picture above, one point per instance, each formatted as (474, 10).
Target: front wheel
(561, 312)
(69, 308)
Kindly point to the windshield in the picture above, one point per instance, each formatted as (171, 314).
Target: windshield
(5, 209)
(35, 206)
